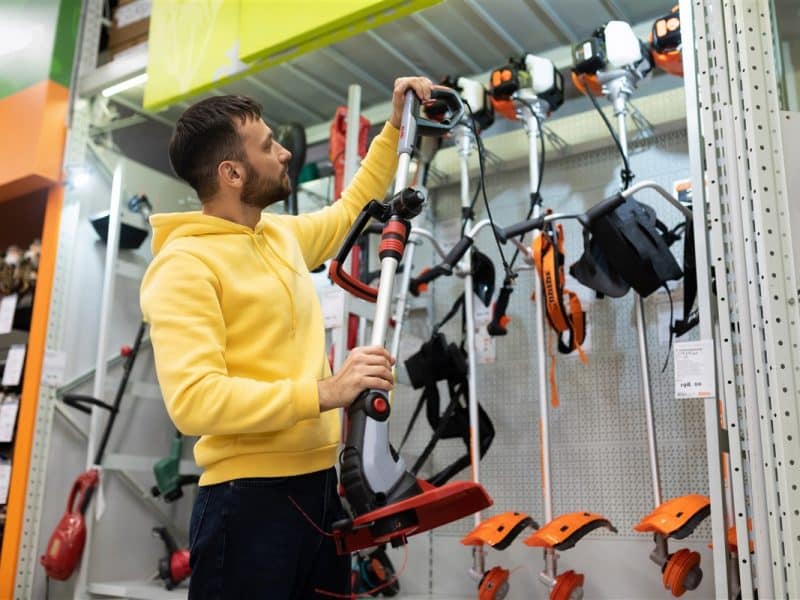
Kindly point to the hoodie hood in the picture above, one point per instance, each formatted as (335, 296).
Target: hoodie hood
(171, 226)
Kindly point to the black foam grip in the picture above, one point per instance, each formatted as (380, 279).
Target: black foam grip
(504, 234)
(604, 207)
(495, 327)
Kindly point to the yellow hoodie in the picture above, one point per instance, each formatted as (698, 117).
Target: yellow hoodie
(237, 329)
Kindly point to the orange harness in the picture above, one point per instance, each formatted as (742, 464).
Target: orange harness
(548, 257)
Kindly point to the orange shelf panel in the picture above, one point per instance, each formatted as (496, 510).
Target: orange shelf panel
(33, 121)
(26, 423)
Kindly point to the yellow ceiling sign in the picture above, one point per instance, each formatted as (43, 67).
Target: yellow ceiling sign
(270, 28)
(195, 45)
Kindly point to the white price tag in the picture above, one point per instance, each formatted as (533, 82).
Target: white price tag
(485, 347)
(482, 313)
(12, 374)
(694, 369)
(54, 367)
(332, 301)
(8, 418)
(5, 480)
(8, 304)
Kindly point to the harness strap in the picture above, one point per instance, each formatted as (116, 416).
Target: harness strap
(569, 326)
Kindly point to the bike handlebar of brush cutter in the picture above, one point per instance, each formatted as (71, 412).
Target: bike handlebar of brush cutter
(406, 204)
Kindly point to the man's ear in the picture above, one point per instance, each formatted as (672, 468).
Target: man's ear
(230, 173)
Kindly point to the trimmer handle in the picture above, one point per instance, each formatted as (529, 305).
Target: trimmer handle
(497, 326)
(450, 111)
(443, 268)
(404, 205)
(82, 490)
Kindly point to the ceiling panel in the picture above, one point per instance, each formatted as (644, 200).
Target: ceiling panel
(456, 37)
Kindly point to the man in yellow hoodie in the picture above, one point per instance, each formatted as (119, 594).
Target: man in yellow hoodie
(239, 346)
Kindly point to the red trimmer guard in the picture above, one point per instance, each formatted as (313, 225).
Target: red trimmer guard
(434, 507)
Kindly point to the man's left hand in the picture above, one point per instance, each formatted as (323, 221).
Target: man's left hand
(422, 88)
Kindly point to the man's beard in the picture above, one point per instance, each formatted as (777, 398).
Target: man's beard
(264, 191)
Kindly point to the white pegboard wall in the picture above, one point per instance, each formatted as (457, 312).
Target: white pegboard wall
(598, 437)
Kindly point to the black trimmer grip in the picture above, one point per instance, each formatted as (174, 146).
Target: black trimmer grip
(497, 326)
(445, 267)
(458, 251)
(426, 277)
(603, 208)
(504, 234)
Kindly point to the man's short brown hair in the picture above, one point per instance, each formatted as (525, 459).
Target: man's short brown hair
(205, 135)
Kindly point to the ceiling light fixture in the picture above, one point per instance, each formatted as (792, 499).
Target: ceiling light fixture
(124, 85)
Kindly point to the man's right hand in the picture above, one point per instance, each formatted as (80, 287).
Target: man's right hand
(366, 367)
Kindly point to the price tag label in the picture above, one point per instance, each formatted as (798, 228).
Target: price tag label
(5, 480)
(694, 369)
(12, 374)
(481, 312)
(485, 347)
(8, 304)
(8, 418)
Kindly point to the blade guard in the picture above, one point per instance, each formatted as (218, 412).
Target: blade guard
(432, 508)
(566, 584)
(563, 532)
(676, 518)
(499, 531)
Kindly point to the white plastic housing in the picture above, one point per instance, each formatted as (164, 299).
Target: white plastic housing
(472, 93)
(542, 72)
(622, 45)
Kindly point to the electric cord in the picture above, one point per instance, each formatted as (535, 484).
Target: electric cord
(330, 535)
(626, 174)
(536, 197)
(482, 186)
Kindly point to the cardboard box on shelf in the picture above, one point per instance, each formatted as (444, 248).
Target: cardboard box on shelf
(131, 21)
(121, 35)
(128, 46)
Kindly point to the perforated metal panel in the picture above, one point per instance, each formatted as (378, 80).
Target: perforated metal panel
(598, 437)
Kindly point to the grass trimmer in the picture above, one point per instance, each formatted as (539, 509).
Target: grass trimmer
(66, 543)
(612, 62)
(67, 540)
(387, 503)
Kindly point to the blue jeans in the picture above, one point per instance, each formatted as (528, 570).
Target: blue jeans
(248, 540)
